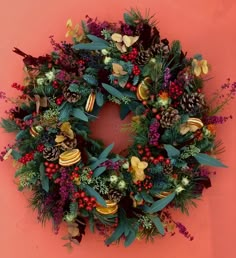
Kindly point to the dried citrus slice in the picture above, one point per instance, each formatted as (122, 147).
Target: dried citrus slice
(142, 91)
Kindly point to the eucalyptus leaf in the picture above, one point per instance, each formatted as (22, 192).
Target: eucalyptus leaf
(160, 204)
(158, 224)
(74, 87)
(91, 79)
(98, 171)
(15, 154)
(124, 111)
(172, 151)
(130, 238)
(78, 113)
(106, 151)
(99, 99)
(116, 234)
(97, 163)
(205, 159)
(43, 178)
(96, 44)
(113, 91)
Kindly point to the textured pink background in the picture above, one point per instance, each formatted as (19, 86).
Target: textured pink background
(205, 26)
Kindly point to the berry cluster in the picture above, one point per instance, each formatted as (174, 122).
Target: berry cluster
(136, 70)
(75, 176)
(131, 87)
(84, 201)
(18, 86)
(51, 169)
(146, 184)
(28, 157)
(147, 155)
(40, 148)
(175, 90)
(59, 100)
(55, 84)
(131, 56)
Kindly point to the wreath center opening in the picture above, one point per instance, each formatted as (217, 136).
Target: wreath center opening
(108, 128)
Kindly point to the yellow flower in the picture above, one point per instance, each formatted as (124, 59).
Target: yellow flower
(137, 169)
(199, 67)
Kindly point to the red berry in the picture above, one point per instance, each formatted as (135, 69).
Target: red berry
(51, 165)
(167, 161)
(82, 194)
(48, 170)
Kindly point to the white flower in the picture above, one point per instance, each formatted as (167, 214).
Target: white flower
(50, 76)
(104, 52)
(107, 60)
(40, 81)
(113, 179)
(185, 181)
(179, 189)
(121, 184)
(126, 165)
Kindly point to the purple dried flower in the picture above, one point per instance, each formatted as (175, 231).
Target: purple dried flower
(153, 134)
(3, 95)
(167, 76)
(217, 119)
(183, 231)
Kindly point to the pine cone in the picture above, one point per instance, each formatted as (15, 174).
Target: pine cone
(115, 195)
(192, 103)
(167, 169)
(160, 49)
(70, 96)
(51, 153)
(143, 57)
(68, 144)
(169, 117)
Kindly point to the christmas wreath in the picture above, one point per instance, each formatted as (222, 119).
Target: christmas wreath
(76, 179)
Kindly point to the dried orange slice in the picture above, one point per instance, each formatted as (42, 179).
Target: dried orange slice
(142, 90)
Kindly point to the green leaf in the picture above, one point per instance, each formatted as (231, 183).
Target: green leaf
(158, 224)
(96, 44)
(147, 197)
(15, 154)
(91, 223)
(95, 194)
(130, 238)
(113, 91)
(205, 159)
(116, 234)
(97, 163)
(65, 111)
(124, 111)
(9, 125)
(78, 113)
(97, 39)
(44, 179)
(160, 204)
(91, 79)
(172, 151)
(99, 171)
(20, 135)
(74, 87)
(99, 99)
(106, 151)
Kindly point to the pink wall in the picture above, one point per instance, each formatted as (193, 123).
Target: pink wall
(205, 26)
